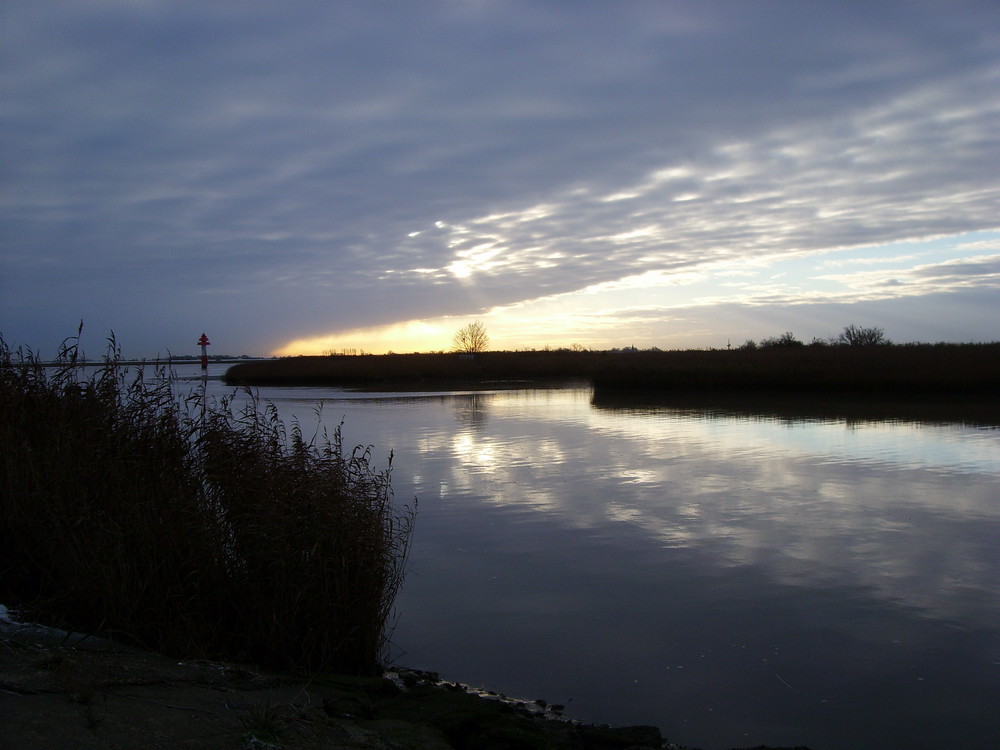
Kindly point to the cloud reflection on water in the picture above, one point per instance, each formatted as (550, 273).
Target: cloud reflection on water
(662, 565)
(898, 508)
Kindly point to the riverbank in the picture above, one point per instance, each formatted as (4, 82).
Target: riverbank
(885, 369)
(59, 691)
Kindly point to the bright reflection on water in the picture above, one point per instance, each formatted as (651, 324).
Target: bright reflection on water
(735, 580)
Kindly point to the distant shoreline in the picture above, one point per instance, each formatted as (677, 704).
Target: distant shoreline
(156, 361)
(896, 370)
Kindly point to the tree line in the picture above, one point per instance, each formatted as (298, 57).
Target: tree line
(852, 335)
(473, 339)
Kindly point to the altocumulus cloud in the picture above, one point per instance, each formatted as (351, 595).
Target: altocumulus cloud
(668, 172)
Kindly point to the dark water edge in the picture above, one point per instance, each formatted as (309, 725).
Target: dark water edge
(974, 410)
(835, 627)
(889, 708)
(65, 689)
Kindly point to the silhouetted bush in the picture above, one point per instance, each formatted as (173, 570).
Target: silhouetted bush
(854, 335)
(785, 339)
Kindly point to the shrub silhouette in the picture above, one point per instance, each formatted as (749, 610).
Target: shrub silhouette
(854, 335)
(785, 339)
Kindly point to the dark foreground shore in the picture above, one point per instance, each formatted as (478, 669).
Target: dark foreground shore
(58, 692)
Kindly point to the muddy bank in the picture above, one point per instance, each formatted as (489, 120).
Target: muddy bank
(58, 692)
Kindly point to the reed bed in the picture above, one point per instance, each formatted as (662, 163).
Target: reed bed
(863, 370)
(395, 369)
(193, 528)
(912, 368)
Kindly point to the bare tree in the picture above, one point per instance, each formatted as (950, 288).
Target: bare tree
(853, 335)
(472, 338)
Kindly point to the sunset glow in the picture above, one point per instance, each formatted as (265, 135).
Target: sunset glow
(663, 174)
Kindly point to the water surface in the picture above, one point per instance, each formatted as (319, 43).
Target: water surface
(733, 578)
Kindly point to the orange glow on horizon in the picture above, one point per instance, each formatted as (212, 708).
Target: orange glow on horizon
(408, 336)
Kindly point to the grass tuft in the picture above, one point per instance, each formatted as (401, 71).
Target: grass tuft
(263, 725)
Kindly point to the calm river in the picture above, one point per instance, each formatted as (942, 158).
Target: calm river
(734, 579)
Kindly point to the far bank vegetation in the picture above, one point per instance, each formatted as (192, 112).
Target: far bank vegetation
(858, 360)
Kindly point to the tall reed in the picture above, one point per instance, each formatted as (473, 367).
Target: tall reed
(195, 528)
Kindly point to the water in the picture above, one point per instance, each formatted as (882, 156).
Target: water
(732, 578)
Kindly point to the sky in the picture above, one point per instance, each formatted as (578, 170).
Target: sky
(306, 177)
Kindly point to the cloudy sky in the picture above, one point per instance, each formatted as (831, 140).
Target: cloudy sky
(312, 176)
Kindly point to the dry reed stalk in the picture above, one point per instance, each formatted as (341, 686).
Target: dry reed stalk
(187, 526)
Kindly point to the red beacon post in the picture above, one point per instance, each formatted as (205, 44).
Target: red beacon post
(203, 342)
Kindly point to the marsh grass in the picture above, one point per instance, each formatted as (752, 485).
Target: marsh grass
(193, 528)
(896, 370)
(887, 368)
(263, 724)
(396, 369)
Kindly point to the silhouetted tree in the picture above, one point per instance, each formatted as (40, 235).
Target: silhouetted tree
(853, 335)
(472, 338)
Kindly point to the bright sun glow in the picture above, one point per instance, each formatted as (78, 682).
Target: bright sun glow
(667, 308)
(408, 336)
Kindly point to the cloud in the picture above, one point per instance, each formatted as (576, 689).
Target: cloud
(931, 278)
(287, 173)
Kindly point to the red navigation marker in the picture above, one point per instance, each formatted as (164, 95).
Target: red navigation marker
(203, 342)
